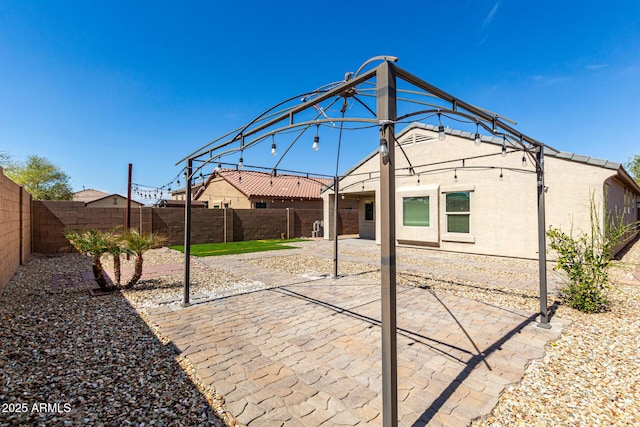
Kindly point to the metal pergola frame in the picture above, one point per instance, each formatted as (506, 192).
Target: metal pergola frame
(280, 119)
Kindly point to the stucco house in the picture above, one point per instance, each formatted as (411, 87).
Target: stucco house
(99, 199)
(457, 195)
(243, 189)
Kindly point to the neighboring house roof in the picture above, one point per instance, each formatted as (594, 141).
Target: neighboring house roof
(110, 196)
(88, 195)
(262, 184)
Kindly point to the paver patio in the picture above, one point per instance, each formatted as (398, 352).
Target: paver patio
(308, 352)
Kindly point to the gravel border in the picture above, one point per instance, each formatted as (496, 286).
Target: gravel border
(71, 359)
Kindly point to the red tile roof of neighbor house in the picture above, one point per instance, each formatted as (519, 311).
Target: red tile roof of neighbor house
(262, 184)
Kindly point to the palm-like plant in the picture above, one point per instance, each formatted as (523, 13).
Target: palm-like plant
(138, 243)
(116, 246)
(93, 243)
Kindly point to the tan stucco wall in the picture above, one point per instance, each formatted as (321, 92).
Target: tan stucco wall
(503, 217)
(219, 191)
(108, 202)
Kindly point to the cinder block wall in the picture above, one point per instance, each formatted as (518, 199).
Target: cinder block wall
(348, 221)
(51, 218)
(254, 224)
(15, 228)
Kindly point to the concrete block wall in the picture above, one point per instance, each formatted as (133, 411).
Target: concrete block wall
(15, 229)
(303, 220)
(348, 221)
(51, 218)
(254, 224)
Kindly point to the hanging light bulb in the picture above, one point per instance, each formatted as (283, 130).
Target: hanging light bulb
(504, 147)
(418, 179)
(384, 150)
(273, 146)
(478, 139)
(524, 161)
(316, 140)
(178, 182)
(201, 176)
(441, 134)
(240, 163)
(455, 175)
(501, 175)
(342, 196)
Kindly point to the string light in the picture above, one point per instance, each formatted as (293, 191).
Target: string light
(524, 161)
(316, 140)
(273, 146)
(478, 139)
(501, 175)
(455, 175)
(441, 134)
(504, 146)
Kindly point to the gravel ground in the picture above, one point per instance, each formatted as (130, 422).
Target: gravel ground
(54, 349)
(71, 359)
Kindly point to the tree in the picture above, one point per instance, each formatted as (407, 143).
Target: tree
(633, 166)
(41, 178)
(5, 159)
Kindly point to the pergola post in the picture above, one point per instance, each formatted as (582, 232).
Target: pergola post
(542, 243)
(187, 233)
(386, 112)
(335, 227)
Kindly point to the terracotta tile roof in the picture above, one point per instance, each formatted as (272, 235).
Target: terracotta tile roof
(261, 184)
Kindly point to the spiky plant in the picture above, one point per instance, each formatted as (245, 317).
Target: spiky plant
(138, 243)
(93, 243)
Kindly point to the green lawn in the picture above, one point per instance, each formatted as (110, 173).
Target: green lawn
(231, 248)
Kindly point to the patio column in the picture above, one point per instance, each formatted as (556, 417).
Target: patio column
(542, 242)
(187, 233)
(386, 110)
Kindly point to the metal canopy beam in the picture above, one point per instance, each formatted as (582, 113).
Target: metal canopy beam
(386, 75)
(416, 81)
(246, 131)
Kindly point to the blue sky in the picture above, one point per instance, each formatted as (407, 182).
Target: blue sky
(94, 86)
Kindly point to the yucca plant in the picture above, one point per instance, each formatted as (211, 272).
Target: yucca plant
(93, 243)
(138, 243)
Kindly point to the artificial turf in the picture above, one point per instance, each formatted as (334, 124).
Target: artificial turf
(231, 248)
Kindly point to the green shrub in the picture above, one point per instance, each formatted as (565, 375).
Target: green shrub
(586, 259)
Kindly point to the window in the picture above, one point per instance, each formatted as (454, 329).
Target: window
(368, 211)
(415, 211)
(261, 205)
(457, 208)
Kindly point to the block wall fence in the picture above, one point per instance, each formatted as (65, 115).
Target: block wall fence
(15, 228)
(51, 218)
